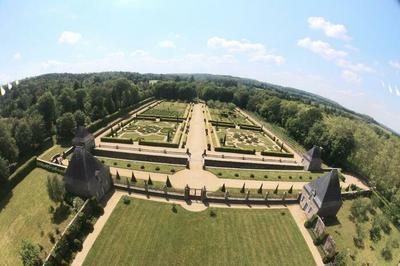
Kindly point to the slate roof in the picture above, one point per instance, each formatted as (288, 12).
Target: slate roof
(81, 136)
(314, 153)
(326, 188)
(83, 165)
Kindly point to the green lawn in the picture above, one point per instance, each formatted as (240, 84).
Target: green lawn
(24, 215)
(345, 230)
(150, 130)
(150, 233)
(227, 115)
(263, 175)
(170, 109)
(142, 166)
(56, 149)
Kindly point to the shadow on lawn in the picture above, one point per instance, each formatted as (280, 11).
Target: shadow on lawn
(61, 214)
(331, 221)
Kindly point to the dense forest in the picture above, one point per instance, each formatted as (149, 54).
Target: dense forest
(54, 104)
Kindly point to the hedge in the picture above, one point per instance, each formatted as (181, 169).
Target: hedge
(116, 140)
(21, 173)
(49, 167)
(234, 150)
(277, 154)
(160, 144)
(221, 124)
(160, 116)
(169, 119)
(250, 127)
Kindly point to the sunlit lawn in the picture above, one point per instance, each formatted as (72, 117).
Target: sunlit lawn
(150, 233)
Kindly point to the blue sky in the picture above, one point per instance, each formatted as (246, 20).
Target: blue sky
(347, 51)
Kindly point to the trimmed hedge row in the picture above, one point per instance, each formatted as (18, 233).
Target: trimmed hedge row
(21, 173)
(160, 144)
(277, 154)
(168, 119)
(117, 140)
(50, 167)
(234, 150)
(96, 125)
(250, 127)
(161, 116)
(221, 124)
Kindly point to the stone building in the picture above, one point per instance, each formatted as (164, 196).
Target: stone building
(86, 176)
(312, 160)
(322, 196)
(83, 138)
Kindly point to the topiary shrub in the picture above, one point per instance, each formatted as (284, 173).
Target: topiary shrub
(279, 177)
(252, 175)
(157, 168)
(219, 174)
(142, 167)
(301, 177)
(290, 177)
(172, 170)
(117, 176)
(115, 163)
(126, 200)
(223, 189)
(236, 175)
(149, 181)
(174, 209)
(213, 214)
(128, 165)
(265, 176)
(242, 190)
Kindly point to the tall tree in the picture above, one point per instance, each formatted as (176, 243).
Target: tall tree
(66, 126)
(47, 108)
(56, 188)
(23, 137)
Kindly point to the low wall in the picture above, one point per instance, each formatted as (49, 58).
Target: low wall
(181, 160)
(249, 165)
(180, 196)
(52, 167)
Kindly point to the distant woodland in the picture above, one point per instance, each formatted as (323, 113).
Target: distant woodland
(52, 105)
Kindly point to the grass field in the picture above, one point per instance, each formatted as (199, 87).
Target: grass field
(168, 109)
(227, 115)
(24, 215)
(56, 149)
(142, 166)
(296, 176)
(150, 233)
(245, 139)
(345, 230)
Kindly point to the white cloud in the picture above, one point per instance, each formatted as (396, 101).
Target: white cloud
(49, 64)
(69, 37)
(395, 64)
(167, 44)
(356, 67)
(139, 52)
(254, 51)
(337, 31)
(351, 76)
(321, 48)
(17, 56)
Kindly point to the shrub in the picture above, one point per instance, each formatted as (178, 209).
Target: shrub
(213, 214)
(290, 190)
(172, 170)
(126, 200)
(133, 178)
(117, 176)
(279, 177)
(387, 253)
(77, 245)
(149, 181)
(359, 237)
(310, 177)
(242, 190)
(301, 177)
(115, 163)
(142, 167)
(157, 168)
(320, 239)
(174, 209)
(168, 182)
(252, 175)
(51, 237)
(290, 177)
(310, 222)
(223, 189)
(265, 176)
(219, 174)
(260, 189)
(236, 175)
(276, 189)
(375, 232)
(128, 165)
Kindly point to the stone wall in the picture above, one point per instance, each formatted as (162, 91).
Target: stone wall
(181, 160)
(248, 164)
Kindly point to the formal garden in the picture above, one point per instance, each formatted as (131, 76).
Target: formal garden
(168, 109)
(156, 233)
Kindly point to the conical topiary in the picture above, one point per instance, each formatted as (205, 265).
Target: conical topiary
(223, 189)
(276, 189)
(259, 191)
(243, 188)
(149, 181)
(168, 182)
(133, 178)
(290, 190)
(117, 176)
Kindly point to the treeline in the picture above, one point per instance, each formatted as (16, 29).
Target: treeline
(39, 108)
